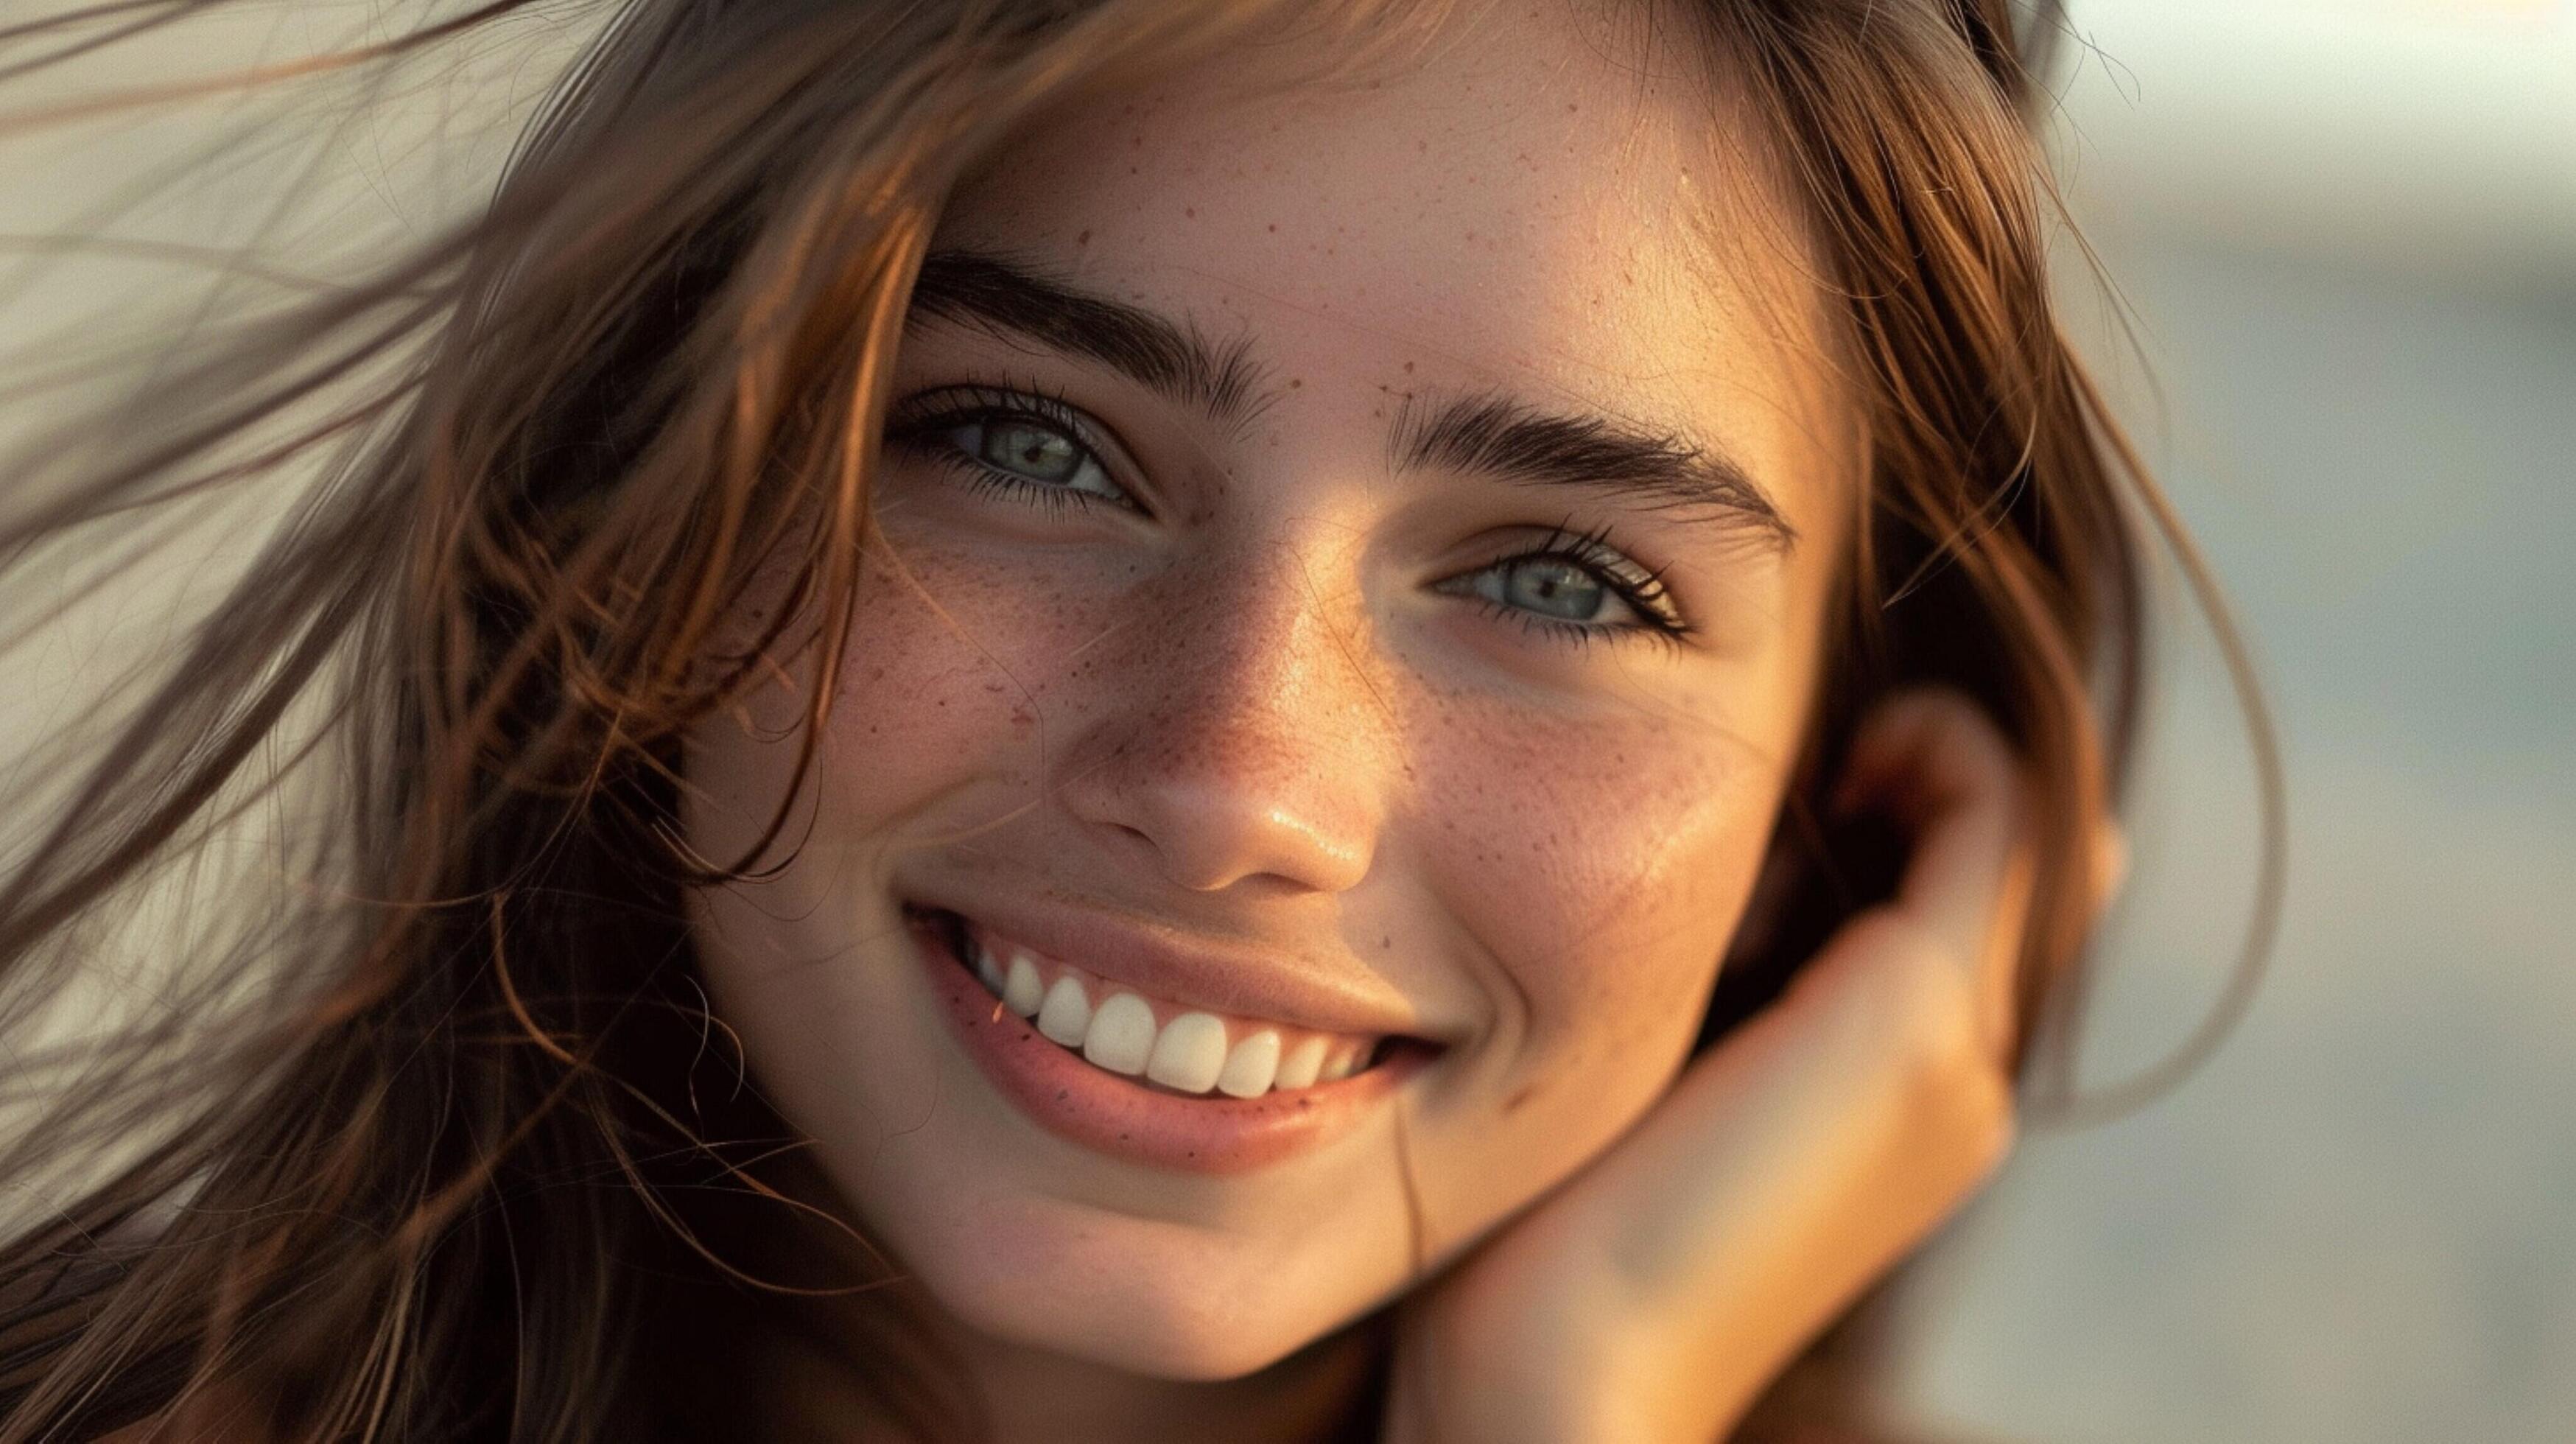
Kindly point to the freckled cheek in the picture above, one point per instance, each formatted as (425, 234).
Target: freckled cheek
(954, 665)
(1604, 866)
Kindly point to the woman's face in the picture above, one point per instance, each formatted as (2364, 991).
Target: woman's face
(1349, 582)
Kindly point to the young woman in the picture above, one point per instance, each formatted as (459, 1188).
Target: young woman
(1109, 720)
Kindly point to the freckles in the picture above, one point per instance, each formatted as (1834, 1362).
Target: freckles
(1603, 863)
(946, 676)
(1596, 814)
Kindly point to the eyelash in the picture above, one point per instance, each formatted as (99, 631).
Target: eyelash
(919, 426)
(1641, 587)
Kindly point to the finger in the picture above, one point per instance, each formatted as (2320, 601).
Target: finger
(2110, 863)
(1941, 767)
(1933, 762)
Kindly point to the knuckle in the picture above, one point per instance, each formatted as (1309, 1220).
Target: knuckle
(1959, 1091)
(1918, 1015)
(1932, 993)
(1989, 1124)
(1913, 995)
(1963, 1125)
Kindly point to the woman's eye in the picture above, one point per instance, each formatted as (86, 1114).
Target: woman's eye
(1558, 591)
(1026, 448)
(1576, 590)
(1556, 588)
(1037, 453)
(1000, 441)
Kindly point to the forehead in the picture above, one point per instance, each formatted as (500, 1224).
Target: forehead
(1535, 200)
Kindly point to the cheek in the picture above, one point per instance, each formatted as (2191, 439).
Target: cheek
(951, 669)
(1603, 865)
(935, 721)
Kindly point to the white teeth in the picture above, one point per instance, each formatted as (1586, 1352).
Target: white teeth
(1021, 991)
(1250, 1067)
(1190, 1053)
(1065, 1016)
(1121, 1035)
(1297, 1070)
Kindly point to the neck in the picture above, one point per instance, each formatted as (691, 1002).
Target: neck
(1325, 1391)
(879, 1367)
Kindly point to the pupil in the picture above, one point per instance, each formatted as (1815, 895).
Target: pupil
(1556, 587)
(1034, 451)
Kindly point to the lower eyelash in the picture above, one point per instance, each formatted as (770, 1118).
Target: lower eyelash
(1577, 633)
(918, 425)
(982, 478)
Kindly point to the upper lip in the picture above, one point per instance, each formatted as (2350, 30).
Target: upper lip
(1224, 977)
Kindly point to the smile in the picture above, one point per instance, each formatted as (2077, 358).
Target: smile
(1128, 1032)
(1141, 1076)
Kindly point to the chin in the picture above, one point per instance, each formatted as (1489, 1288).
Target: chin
(1131, 1310)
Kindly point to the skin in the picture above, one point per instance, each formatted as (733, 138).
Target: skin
(1257, 708)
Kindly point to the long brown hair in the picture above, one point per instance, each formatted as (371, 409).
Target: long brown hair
(446, 1145)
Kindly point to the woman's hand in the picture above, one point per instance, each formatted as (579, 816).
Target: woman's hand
(1654, 1295)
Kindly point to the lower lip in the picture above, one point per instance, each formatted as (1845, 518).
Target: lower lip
(1101, 1110)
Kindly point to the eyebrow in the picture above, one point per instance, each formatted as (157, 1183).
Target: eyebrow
(1504, 437)
(1487, 433)
(975, 288)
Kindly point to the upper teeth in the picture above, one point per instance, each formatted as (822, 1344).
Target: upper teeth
(1187, 1051)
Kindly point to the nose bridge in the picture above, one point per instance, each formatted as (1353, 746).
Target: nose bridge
(1290, 669)
(1252, 727)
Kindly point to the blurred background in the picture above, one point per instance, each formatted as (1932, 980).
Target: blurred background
(2346, 233)
(2342, 240)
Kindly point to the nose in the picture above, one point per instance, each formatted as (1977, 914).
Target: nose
(1244, 735)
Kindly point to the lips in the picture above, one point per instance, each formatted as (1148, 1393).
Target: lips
(1132, 1032)
(1142, 1077)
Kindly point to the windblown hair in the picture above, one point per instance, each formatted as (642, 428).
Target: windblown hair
(450, 1148)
